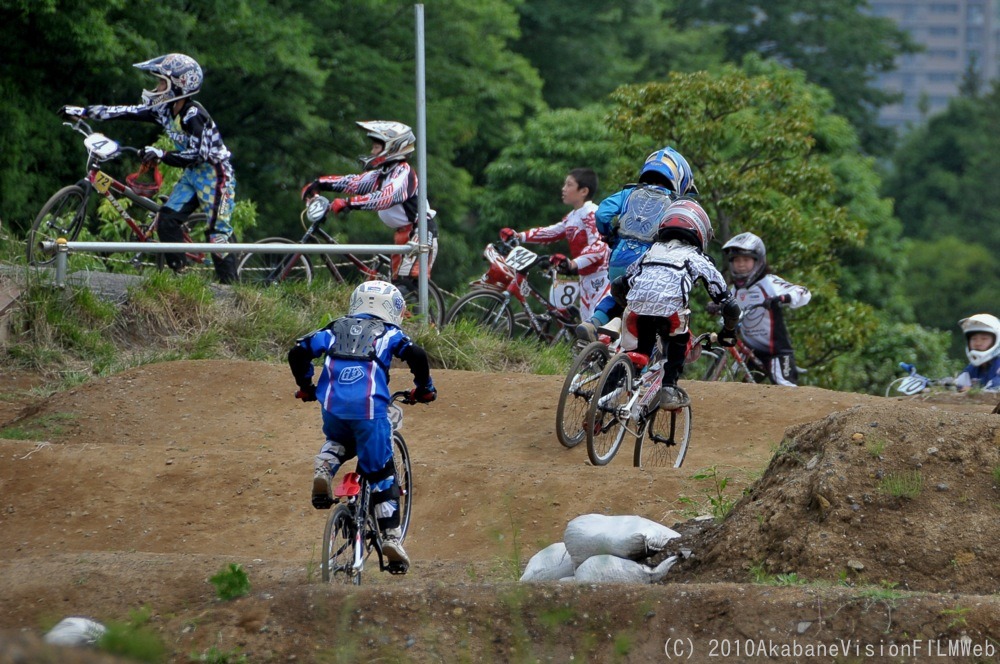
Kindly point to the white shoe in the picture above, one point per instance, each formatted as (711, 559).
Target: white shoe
(671, 398)
(322, 494)
(395, 554)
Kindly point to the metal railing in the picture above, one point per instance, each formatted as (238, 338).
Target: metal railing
(62, 248)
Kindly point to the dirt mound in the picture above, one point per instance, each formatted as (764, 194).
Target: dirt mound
(885, 493)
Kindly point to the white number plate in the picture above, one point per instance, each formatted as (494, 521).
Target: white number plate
(101, 145)
(520, 258)
(565, 293)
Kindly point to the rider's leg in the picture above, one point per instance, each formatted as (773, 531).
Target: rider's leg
(220, 229)
(375, 462)
(174, 213)
(338, 448)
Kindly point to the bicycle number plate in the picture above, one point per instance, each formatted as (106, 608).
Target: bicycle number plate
(102, 182)
(395, 416)
(101, 145)
(912, 385)
(520, 258)
(564, 293)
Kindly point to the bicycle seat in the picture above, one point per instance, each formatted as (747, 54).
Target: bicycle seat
(349, 486)
(639, 360)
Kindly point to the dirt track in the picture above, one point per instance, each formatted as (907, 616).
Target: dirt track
(134, 489)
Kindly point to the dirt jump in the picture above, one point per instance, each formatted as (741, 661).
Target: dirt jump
(864, 528)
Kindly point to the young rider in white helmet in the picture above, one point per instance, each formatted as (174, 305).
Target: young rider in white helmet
(389, 186)
(762, 295)
(982, 347)
(353, 391)
(208, 184)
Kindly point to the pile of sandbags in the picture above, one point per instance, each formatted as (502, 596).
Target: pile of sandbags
(604, 549)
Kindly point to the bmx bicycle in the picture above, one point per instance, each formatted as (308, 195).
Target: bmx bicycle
(626, 399)
(351, 534)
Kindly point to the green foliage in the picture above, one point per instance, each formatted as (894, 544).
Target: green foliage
(231, 582)
(902, 484)
(721, 504)
(836, 43)
(133, 638)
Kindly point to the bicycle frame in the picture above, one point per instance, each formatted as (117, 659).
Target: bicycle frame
(520, 289)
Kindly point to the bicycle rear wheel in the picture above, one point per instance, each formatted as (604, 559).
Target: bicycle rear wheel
(577, 390)
(607, 417)
(435, 304)
(708, 366)
(263, 269)
(485, 309)
(404, 477)
(63, 215)
(338, 548)
(666, 439)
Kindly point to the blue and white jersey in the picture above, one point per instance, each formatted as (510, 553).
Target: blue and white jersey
(986, 376)
(355, 388)
(639, 209)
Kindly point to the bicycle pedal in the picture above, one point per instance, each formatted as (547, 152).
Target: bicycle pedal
(397, 568)
(321, 502)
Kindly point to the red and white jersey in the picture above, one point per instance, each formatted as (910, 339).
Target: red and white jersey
(392, 191)
(763, 329)
(579, 229)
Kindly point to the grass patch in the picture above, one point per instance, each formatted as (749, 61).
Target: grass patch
(39, 428)
(875, 446)
(133, 638)
(73, 335)
(902, 485)
(231, 582)
(996, 474)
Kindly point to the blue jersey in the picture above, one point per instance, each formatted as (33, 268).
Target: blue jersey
(985, 376)
(355, 388)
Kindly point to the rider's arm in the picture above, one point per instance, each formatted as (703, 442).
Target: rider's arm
(416, 358)
(305, 350)
(397, 186)
(138, 113)
(610, 208)
(798, 296)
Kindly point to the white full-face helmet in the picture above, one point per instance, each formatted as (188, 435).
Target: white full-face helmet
(396, 138)
(380, 299)
(746, 244)
(182, 74)
(981, 323)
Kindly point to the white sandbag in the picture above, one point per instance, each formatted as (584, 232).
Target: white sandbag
(612, 569)
(632, 537)
(75, 631)
(550, 564)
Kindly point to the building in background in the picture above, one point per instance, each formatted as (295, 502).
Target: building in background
(959, 36)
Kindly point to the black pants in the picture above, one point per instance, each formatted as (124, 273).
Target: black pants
(170, 229)
(675, 346)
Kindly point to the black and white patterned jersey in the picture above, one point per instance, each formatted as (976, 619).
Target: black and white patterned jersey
(660, 284)
(764, 329)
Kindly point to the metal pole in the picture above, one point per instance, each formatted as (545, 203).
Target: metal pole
(421, 165)
(62, 258)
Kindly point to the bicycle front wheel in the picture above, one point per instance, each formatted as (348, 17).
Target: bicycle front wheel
(264, 269)
(485, 309)
(608, 417)
(577, 390)
(337, 563)
(404, 477)
(62, 216)
(666, 439)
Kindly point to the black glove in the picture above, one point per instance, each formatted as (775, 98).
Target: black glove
(727, 337)
(425, 394)
(310, 190)
(713, 308)
(306, 394)
(773, 303)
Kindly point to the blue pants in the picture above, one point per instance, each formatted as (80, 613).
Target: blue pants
(369, 440)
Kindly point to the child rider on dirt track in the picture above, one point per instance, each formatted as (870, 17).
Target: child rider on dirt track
(389, 186)
(353, 391)
(657, 287)
(208, 184)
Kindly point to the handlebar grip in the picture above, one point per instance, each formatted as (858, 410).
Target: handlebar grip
(905, 366)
